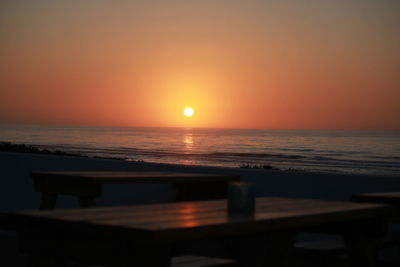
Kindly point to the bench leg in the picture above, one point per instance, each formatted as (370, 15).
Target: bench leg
(87, 202)
(48, 201)
(362, 251)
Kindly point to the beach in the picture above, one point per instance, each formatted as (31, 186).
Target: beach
(17, 192)
(148, 124)
(16, 188)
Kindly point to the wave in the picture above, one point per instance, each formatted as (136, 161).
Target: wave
(255, 155)
(355, 152)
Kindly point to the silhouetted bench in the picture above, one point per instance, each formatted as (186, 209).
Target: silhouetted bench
(391, 198)
(201, 261)
(336, 247)
(87, 185)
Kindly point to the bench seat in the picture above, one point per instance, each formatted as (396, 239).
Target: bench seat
(201, 261)
(337, 246)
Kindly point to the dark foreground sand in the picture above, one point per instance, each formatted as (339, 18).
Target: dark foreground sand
(16, 191)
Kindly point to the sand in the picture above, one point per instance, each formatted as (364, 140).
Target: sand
(16, 190)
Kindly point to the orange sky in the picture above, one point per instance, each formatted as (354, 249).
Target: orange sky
(306, 64)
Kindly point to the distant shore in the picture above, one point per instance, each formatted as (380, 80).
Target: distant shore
(23, 148)
(31, 149)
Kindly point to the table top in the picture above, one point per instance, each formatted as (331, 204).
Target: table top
(190, 220)
(130, 176)
(392, 198)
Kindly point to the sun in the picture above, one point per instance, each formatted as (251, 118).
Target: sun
(188, 112)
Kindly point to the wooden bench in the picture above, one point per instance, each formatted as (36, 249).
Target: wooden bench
(323, 247)
(87, 185)
(335, 247)
(201, 261)
(391, 198)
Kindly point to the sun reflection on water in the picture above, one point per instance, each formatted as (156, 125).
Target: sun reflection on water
(188, 147)
(188, 141)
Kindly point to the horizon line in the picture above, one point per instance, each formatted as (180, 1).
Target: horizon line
(183, 127)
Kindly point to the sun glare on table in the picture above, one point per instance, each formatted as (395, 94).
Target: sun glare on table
(188, 112)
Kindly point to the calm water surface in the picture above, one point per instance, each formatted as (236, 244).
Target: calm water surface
(320, 151)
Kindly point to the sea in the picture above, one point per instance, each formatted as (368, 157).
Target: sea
(350, 152)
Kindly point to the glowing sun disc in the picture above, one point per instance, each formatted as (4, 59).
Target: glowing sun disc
(188, 112)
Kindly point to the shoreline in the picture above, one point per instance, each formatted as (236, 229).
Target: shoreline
(11, 147)
(35, 149)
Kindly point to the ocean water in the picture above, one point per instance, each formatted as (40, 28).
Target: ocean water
(316, 151)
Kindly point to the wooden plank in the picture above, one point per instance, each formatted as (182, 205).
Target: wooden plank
(140, 210)
(173, 223)
(326, 246)
(153, 213)
(203, 218)
(188, 214)
(337, 246)
(266, 205)
(201, 261)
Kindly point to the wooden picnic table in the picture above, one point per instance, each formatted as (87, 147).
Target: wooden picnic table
(391, 198)
(87, 185)
(145, 235)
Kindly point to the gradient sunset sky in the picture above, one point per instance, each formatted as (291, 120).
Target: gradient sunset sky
(300, 64)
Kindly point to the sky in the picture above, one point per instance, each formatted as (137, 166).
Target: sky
(300, 64)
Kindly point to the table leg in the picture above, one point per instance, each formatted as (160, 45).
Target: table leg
(363, 243)
(45, 261)
(279, 247)
(48, 201)
(145, 256)
(362, 251)
(40, 250)
(87, 202)
(261, 250)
